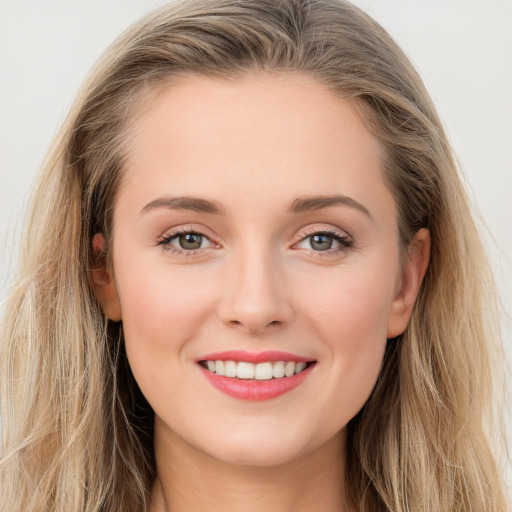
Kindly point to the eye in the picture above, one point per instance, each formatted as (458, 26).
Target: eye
(185, 242)
(189, 241)
(325, 241)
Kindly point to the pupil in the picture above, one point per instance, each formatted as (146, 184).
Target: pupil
(321, 242)
(190, 241)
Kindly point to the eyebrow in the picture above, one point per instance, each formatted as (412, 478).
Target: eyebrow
(299, 205)
(195, 204)
(305, 204)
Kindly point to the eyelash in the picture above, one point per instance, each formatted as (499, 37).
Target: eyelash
(344, 241)
(166, 241)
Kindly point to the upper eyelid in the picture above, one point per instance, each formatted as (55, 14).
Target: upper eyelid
(179, 230)
(329, 229)
(333, 231)
(302, 233)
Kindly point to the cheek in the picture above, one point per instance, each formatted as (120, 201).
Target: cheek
(161, 312)
(350, 315)
(159, 297)
(350, 307)
(354, 328)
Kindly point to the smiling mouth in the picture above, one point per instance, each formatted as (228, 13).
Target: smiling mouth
(268, 370)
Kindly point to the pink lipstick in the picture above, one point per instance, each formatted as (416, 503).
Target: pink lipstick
(253, 357)
(249, 386)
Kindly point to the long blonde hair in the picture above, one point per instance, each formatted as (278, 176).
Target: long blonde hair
(77, 433)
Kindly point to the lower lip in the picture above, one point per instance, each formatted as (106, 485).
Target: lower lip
(256, 390)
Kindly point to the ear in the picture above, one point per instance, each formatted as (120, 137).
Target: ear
(413, 272)
(103, 280)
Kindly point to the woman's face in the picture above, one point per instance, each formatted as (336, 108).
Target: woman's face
(254, 217)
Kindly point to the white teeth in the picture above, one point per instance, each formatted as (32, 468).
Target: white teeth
(289, 369)
(230, 369)
(300, 366)
(219, 367)
(260, 371)
(263, 371)
(278, 370)
(245, 371)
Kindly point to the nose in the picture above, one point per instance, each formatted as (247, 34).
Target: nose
(255, 297)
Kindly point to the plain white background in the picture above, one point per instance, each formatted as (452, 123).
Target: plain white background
(462, 49)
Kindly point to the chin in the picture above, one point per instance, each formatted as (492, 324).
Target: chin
(251, 456)
(261, 449)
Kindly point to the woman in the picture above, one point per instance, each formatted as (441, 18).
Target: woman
(250, 280)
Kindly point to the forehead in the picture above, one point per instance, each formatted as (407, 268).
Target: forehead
(272, 136)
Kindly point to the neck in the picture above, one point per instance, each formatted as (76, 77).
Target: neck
(188, 479)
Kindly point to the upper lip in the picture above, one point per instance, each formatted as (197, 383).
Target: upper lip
(253, 357)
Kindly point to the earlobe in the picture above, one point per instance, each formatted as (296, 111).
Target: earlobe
(414, 269)
(103, 280)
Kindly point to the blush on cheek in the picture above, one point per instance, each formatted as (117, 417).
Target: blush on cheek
(351, 317)
(160, 312)
(356, 310)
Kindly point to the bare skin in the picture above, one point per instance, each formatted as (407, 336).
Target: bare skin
(299, 485)
(269, 272)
